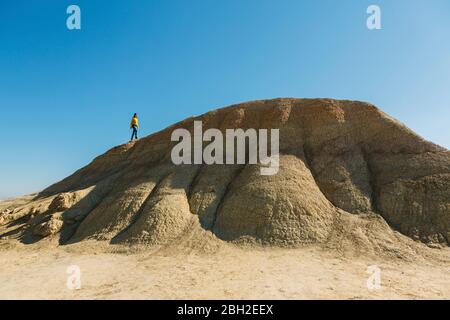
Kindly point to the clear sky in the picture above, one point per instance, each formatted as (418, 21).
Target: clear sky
(68, 96)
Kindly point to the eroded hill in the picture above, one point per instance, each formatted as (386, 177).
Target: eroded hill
(349, 175)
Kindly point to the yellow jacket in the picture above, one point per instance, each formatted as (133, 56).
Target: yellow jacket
(134, 122)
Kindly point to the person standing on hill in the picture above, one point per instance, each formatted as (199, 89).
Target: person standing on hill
(134, 124)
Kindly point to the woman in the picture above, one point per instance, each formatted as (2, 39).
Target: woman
(134, 124)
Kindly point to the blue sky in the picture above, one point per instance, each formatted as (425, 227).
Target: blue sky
(67, 96)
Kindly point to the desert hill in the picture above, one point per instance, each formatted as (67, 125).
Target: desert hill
(350, 175)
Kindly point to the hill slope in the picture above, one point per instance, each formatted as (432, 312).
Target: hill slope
(349, 175)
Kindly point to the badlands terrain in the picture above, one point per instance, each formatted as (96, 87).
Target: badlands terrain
(356, 189)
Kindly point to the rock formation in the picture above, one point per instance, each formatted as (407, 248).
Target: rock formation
(348, 172)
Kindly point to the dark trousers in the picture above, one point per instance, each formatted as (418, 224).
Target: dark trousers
(134, 134)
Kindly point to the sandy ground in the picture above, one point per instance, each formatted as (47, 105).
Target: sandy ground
(40, 272)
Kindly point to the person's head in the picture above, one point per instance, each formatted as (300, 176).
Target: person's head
(135, 115)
